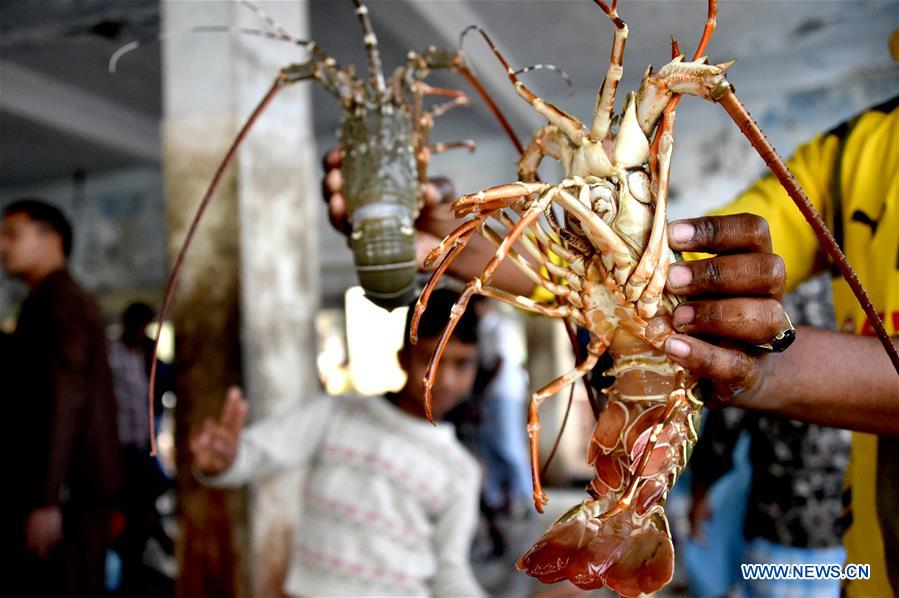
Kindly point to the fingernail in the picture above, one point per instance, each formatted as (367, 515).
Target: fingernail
(683, 315)
(679, 276)
(677, 348)
(681, 232)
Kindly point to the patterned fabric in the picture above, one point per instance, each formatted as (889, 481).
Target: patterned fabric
(131, 386)
(797, 468)
(764, 552)
(389, 504)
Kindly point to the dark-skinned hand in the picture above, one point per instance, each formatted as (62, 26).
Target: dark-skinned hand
(435, 221)
(733, 300)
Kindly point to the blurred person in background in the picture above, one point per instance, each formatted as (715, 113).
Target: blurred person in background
(65, 471)
(130, 359)
(390, 504)
(502, 440)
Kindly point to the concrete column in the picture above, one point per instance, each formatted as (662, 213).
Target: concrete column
(250, 285)
(279, 197)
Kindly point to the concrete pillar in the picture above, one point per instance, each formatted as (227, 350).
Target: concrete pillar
(279, 195)
(250, 285)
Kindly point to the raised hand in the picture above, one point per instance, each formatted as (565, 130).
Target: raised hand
(214, 444)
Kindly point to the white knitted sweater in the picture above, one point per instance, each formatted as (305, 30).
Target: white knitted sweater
(389, 506)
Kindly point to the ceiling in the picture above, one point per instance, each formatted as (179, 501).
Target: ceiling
(61, 111)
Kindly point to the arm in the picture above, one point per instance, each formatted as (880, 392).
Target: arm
(65, 336)
(226, 456)
(824, 377)
(452, 541)
(67, 347)
(831, 379)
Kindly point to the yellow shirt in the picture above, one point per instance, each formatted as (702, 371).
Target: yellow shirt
(851, 175)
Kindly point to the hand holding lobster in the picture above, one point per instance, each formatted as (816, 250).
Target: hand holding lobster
(435, 220)
(734, 297)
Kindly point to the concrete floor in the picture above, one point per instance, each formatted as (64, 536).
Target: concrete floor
(499, 577)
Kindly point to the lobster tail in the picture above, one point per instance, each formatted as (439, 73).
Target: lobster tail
(630, 555)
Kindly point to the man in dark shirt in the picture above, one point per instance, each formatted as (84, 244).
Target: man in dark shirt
(65, 458)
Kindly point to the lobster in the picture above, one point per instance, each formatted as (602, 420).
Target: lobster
(384, 136)
(606, 263)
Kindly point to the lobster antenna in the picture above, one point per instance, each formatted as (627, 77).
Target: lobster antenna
(489, 41)
(131, 46)
(472, 79)
(179, 260)
(549, 67)
(371, 47)
(268, 18)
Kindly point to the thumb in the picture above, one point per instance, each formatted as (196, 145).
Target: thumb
(438, 190)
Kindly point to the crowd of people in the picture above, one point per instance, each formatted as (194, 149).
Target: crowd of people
(85, 484)
(391, 504)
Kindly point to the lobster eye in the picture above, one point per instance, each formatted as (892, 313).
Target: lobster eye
(638, 185)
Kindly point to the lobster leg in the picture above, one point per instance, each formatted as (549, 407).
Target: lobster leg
(439, 148)
(530, 272)
(475, 285)
(453, 238)
(484, 202)
(601, 236)
(648, 304)
(500, 196)
(528, 304)
(457, 98)
(417, 66)
(536, 151)
(606, 98)
(571, 126)
(594, 352)
(371, 49)
(458, 245)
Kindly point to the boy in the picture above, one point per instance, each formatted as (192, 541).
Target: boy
(390, 503)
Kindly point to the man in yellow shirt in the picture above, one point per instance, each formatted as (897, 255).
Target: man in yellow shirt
(843, 380)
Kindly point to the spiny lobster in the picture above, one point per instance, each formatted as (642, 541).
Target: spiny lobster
(606, 264)
(384, 136)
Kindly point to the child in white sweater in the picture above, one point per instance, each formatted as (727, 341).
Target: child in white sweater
(390, 503)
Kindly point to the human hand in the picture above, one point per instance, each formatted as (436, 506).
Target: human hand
(43, 530)
(435, 221)
(214, 445)
(735, 299)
